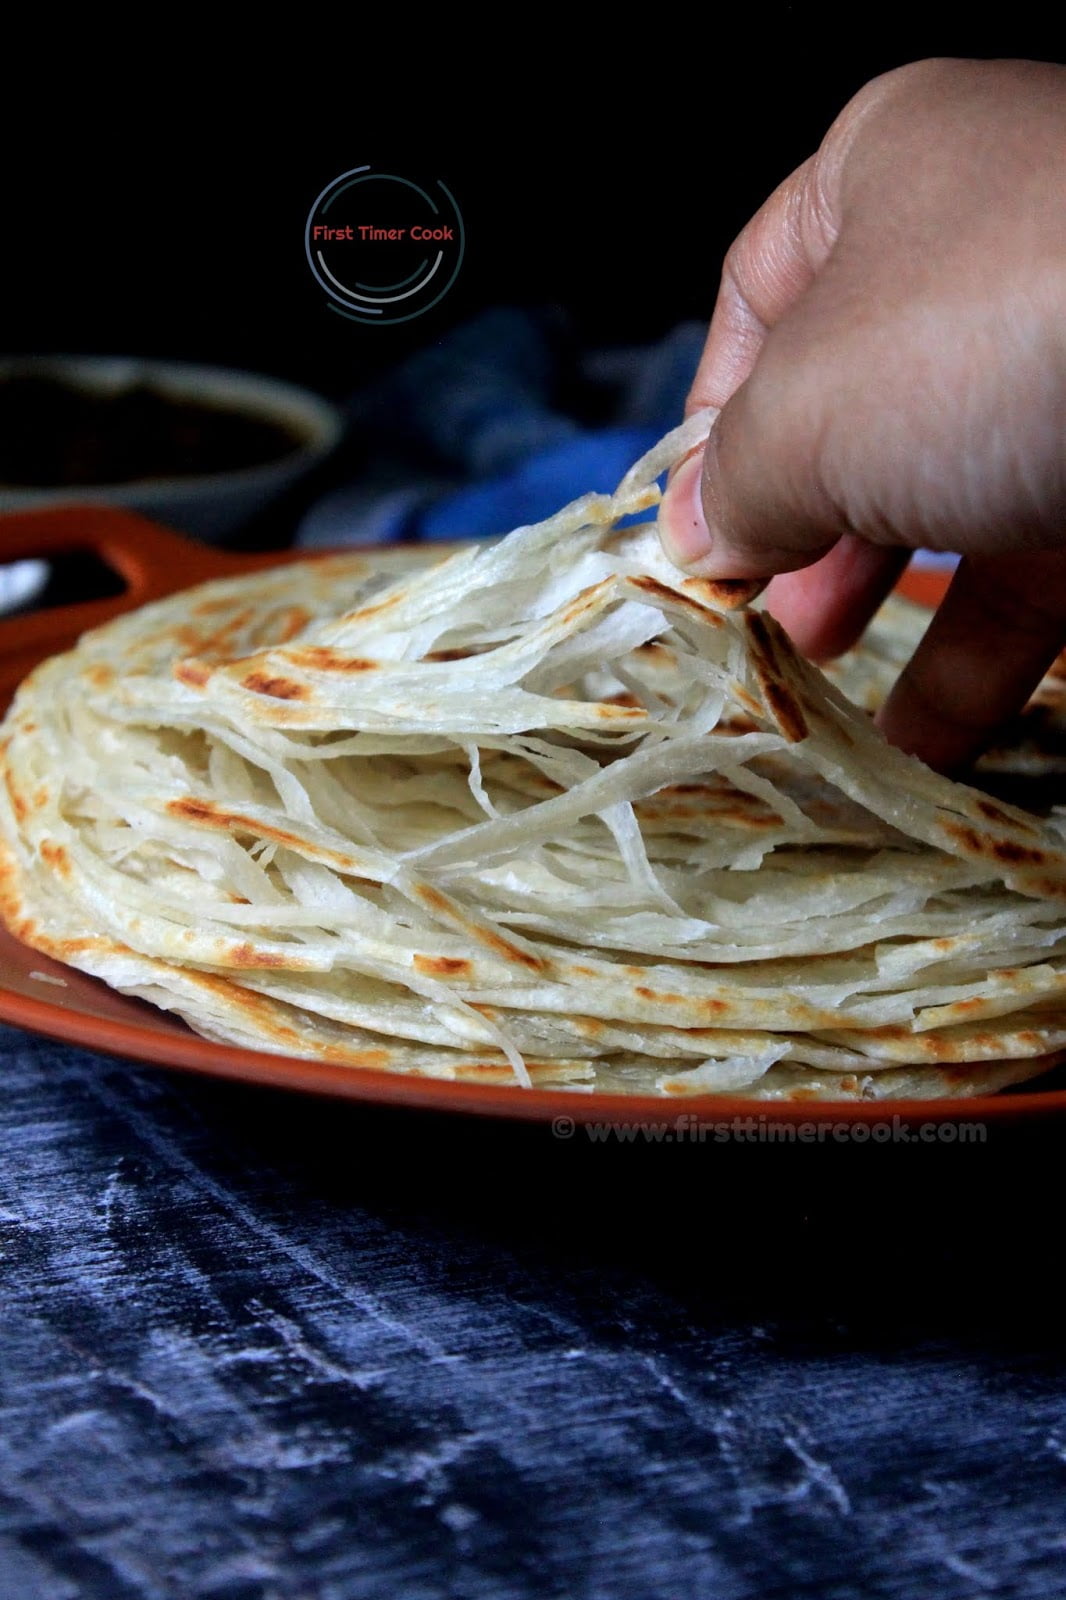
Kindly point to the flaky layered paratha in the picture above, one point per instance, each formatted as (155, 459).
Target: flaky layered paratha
(547, 812)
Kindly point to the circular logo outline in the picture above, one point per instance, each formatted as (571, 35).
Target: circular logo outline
(376, 297)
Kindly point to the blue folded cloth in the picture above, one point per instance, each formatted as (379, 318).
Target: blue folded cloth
(535, 488)
(469, 439)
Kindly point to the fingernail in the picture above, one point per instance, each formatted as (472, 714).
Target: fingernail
(682, 525)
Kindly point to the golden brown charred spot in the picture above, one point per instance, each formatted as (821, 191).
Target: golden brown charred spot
(67, 949)
(684, 596)
(433, 898)
(968, 837)
(712, 807)
(291, 622)
(755, 819)
(485, 936)
(783, 704)
(40, 799)
(584, 601)
(945, 1050)
(510, 952)
(318, 658)
(442, 966)
(240, 619)
(994, 814)
(1018, 854)
(613, 713)
(582, 972)
(456, 653)
(501, 1071)
(194, 810)
(267, 1014)
(218, 643)
(590, 1027)
(374, 610)
(246, 955)
(209, 815)
(1005, 850)
(652, 586)
(486, 1072)
(56, 857)
(192, 672)
(747, 700)
(673, 813)
(101, 675)
(943, 945)
(623, 699)
(18, 804)
(726, 594)
(277, 688)
(366, 1060)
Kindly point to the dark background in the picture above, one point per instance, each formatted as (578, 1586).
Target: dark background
(157, 207)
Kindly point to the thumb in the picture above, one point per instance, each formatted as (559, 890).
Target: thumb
(752, 504)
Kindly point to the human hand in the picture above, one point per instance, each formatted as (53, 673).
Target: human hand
(889, 351)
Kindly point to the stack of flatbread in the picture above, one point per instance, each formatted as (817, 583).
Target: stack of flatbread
(546, 812)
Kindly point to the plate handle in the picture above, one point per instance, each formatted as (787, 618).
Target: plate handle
(151, 560)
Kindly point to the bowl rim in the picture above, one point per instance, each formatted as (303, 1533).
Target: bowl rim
(317, 422)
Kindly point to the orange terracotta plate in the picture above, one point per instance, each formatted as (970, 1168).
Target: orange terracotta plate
(46, 997)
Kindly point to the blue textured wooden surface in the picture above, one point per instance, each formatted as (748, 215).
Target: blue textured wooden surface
(257, 1347)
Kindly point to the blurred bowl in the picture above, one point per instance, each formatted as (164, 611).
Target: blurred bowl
(183, 416)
